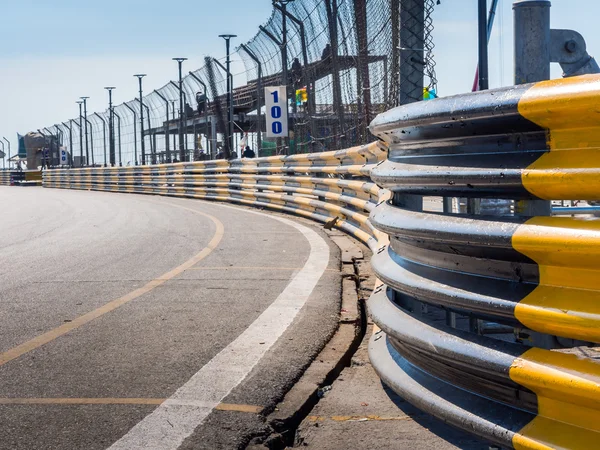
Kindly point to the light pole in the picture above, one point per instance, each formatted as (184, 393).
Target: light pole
(139, 77)
(8, 142)
(181, 111)
(111, 127)
(80, 103)
(228, 38)
(87, 153)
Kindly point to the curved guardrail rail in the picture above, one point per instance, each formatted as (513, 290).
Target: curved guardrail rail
(321, 186)
(491, 322)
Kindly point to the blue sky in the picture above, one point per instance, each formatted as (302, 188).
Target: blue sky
(52, 52)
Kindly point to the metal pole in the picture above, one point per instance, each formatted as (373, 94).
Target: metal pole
(166, 126)
(119, 133)
(80, 135)
(205, 108)
(411, 22)
(4, 157)
(152, 148)
(87, 153)
(331, 7)
(532, 63)
(140, 76)
(134, 132)
(532, 40)
(70, 128)
(173, 118)
(111, 126)
(103, 135)
(91, 141)
(228, 38)
(230, 117)
(490, 28)
(483, 46)
(52, 142)
(182, 146)
(259, 103)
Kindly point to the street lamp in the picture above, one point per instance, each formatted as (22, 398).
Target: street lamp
(181, 111)
(139, 77)
(111, 128)
(87, 153)
(80, 103)
(8, 142)
(228, 38)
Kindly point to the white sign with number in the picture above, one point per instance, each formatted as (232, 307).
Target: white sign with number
(277, 111)
(64, 157)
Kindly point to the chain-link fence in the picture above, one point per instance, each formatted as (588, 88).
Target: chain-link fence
(344, 61)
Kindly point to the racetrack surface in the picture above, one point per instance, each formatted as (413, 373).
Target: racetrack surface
(131, 321)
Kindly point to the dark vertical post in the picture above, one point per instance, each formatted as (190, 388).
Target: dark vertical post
(411, 69)
(119, 134)
(392, 98)
(182, 143)
(103, 136)
(483, 45)
(259, 94)
(70, 128)
(166, 127)
(193, 75)
(412, 44)
(363, 76)
(91, 140)
(143, 145)
(111, 126)
(228, 38)
(173, 117)
(134, 132)
(87, 153)
(80, 103)
(332, 13)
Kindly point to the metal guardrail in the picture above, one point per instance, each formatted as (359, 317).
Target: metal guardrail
(12, 177)
(491, 322)
(5, 177)
(328, 186)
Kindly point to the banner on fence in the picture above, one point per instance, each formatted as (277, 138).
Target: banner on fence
(276, 111)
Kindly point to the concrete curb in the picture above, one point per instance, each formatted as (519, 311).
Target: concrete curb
(335, 356)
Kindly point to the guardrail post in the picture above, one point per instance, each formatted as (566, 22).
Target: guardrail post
(532, 63)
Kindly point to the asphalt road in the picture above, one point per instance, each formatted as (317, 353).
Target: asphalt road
(131, 321)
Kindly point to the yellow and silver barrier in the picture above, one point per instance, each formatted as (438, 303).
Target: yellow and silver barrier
(327, 187)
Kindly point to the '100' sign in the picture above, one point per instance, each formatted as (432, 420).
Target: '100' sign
(276, 111)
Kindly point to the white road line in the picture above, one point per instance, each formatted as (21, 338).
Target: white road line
(177, 418)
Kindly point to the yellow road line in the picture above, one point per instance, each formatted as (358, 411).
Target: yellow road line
(51, 335)
(253, 409)
(252, 268)
(369, 418)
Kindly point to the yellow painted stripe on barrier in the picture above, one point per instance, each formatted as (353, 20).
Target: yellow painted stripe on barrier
(568, 392)
(567, 299)
(568, 108)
